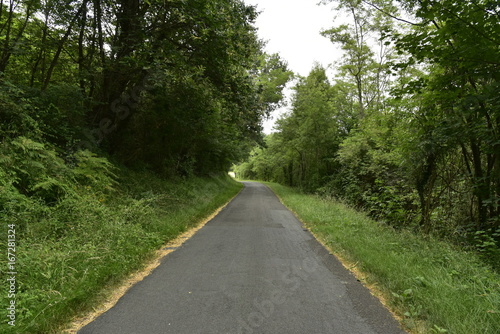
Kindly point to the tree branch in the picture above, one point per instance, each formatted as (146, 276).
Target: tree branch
(392, 16)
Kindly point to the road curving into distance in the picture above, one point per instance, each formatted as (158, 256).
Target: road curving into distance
(252, 269)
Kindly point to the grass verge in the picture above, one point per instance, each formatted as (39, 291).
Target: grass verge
(67, 253)
(433, 286)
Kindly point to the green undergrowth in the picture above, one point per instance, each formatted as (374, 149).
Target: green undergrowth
(68, 250)
(435, 287)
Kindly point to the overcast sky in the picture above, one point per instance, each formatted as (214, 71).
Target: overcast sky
(292, 29)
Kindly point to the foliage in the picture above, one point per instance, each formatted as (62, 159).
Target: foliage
(307, 137)
(17, 113)
(99, 75)
(459, 41)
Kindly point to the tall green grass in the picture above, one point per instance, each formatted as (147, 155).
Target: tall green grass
(69, 250)
(435, 287)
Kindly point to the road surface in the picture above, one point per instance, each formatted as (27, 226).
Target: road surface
(251, 269)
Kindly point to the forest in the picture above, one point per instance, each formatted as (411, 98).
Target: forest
(119, 121)
(180, 86)
(408, 127)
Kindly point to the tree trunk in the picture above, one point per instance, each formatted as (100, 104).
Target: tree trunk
(481, 184)
(4, 59)
(60, 47)
(81, 54)
(425, 185)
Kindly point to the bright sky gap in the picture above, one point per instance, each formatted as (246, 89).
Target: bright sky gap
(292, 29)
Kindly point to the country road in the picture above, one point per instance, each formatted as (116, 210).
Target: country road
(251, 269)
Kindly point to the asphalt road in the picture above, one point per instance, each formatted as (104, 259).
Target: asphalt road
(252, 269)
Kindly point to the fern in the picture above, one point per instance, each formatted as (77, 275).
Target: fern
(35, 169)
(94, 171)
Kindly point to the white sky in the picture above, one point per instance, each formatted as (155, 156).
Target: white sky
(292, 29)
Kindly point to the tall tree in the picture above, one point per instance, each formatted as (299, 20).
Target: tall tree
(366, 53)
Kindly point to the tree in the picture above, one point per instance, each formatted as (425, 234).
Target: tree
(460, 42)
(360, 64)
(299, 153)
(179, 85)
